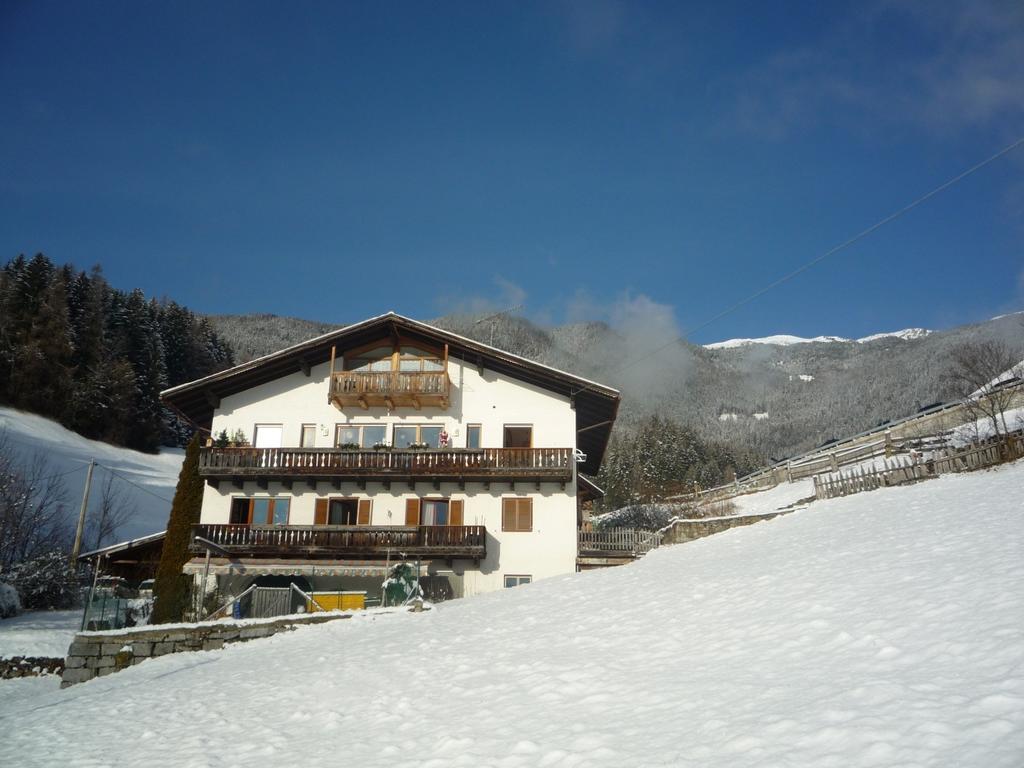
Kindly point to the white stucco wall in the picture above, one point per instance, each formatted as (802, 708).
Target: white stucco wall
(548, 550)
(490, 400)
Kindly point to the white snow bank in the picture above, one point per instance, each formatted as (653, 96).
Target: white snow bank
(781, 496)
(39, 633)
(982, 428)
(66, 451)
(880, 629)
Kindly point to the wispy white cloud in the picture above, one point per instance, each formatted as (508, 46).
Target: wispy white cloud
(505, 295)
(942, 66)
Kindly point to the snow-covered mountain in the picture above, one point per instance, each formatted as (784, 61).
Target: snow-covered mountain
(781, 340)
(145, 481)
(879, 629)
(784, 340)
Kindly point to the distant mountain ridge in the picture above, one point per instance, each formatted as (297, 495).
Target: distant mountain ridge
(779, 397)
(785, 340)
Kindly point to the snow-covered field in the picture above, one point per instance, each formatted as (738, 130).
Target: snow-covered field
(882, 629)
(38, 633)
(982, 428)
(782, 495)
(27, 434)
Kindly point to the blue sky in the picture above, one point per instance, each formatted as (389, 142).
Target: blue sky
(594, 160)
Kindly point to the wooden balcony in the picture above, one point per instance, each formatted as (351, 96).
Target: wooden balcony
(390, 389)
(333, 541)
(335, 464)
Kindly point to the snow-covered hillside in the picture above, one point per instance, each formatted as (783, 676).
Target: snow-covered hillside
(880, 629)
(784, 340)
(67, 452)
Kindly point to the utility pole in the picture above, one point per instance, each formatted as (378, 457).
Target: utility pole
(81, 514)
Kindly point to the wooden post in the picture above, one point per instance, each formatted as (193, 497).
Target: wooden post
(81, 515)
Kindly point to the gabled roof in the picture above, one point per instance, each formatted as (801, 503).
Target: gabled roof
(123, 546)
(596, 404)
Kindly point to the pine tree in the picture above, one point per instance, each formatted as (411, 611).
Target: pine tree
(172, 586)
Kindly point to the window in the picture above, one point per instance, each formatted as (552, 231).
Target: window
(364, 435)
(338, 511)
(422, 434)
(515, 581)
(517, 515)
(434, 512)
(261, 510)
(307, 438)
(343, 512)
(472, 435)
(239, 512)
(389, 358)
(518, 436)
(416, 359)
(376, 359)
(267, 436)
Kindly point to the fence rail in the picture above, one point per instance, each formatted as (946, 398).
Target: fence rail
(328, 540)
(484, 463)
(618, 541)
(899, 472)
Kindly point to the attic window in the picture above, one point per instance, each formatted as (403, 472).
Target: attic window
(405, 357)
(378, 359)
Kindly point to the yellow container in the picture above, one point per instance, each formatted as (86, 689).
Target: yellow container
(338, 601)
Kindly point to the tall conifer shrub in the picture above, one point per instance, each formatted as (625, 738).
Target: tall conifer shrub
(171, 589)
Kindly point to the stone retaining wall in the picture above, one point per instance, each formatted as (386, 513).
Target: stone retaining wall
(95, 654)
(30, 666)
(688, 530)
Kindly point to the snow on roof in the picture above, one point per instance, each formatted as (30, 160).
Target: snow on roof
(123, 545)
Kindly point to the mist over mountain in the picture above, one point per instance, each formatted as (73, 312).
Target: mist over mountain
(775, 399)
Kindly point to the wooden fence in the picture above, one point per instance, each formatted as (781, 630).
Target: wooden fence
(622, 541)
(899, 472)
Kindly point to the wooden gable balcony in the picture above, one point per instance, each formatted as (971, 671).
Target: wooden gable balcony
(336, 464)
(334, 541)
(390, 389)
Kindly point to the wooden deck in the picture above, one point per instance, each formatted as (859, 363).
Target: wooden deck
(442, 465)
(390, 389)
(329, 541)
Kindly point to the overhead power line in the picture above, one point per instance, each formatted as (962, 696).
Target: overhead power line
(142, 488)
(820, 258)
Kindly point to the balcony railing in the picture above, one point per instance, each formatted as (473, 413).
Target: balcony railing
(548, 464)
(325, 541)
(391, 389)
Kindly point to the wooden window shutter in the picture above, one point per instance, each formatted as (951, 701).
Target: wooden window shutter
(320, 512)
(455, 512)
(363, 515)
(517, 514)
(412, 511)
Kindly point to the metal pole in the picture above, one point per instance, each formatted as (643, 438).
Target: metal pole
(206, 573)
(81, 514)
(95, 575)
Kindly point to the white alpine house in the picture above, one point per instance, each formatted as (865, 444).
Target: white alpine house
(393, 439)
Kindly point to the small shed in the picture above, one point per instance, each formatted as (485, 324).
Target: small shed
(134, 561)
